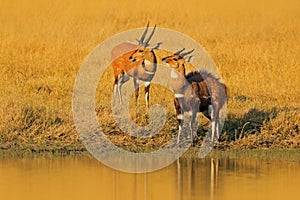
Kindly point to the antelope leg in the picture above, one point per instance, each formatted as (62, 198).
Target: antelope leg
(120, 92)
(115, 92)
(180, 116)
(147, 89)
(213, 124)
(192, 124)
(218, 129)
(179, 132)
(136, 87)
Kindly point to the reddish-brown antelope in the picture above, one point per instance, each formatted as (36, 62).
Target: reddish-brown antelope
(136, 61)
(196, 91)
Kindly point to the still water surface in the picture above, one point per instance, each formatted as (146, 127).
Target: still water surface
(86, 178)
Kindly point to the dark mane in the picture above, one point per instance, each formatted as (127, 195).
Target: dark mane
(200, 75)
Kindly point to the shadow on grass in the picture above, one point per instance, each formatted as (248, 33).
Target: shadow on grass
(250, 123)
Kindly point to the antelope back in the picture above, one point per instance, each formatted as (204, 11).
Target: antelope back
(122, 49)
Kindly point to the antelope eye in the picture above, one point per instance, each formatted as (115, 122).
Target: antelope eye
(175, 59)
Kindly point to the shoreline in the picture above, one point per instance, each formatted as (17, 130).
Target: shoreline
(192, 153)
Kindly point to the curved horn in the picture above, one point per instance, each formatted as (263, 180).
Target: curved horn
(178, 52)
(186, 53)
(146, 43)
(141, 41)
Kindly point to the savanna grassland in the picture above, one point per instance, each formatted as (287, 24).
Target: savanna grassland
(255, 45)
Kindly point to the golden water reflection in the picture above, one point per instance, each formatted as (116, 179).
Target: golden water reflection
(187, 179)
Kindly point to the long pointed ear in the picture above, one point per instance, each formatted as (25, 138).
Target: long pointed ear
(189, 58)
(157, 46)
(141, 41)
(146, 43)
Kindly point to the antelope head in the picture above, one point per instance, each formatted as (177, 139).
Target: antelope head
(176, 61)
(143, 46)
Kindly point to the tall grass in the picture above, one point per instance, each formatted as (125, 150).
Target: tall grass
(255, 45)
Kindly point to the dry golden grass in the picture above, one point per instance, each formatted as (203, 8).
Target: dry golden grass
(255, 45)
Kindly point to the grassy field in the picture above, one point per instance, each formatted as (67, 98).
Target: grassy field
(43, 43)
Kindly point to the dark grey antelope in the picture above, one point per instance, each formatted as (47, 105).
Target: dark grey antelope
(136, 61)
(197, 91)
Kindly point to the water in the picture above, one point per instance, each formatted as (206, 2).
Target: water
(86, 178)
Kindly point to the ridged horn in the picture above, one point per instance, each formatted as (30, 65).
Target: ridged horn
(186, 53)
(146, 43)
(141, 41)
(178, 52)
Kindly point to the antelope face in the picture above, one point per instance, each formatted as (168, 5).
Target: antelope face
(174, 61)
(177, 60)
(138, 54)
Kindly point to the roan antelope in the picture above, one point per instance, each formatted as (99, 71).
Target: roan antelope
(196, 91)
(136, 61)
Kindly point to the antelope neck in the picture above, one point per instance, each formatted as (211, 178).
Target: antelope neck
(182, 70)
(151, 57)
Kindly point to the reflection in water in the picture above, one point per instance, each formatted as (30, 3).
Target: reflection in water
(187, 179)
